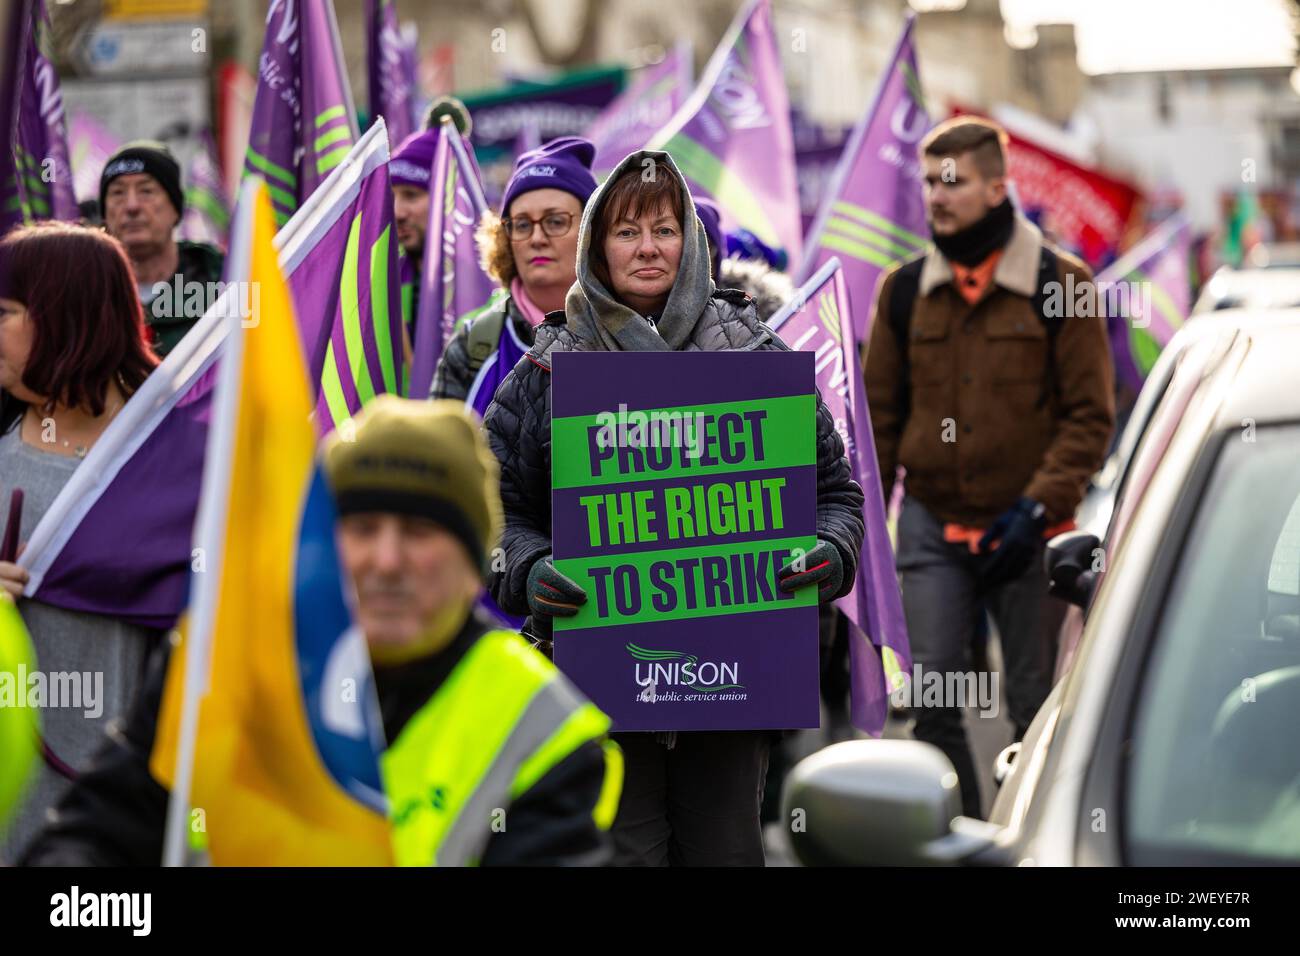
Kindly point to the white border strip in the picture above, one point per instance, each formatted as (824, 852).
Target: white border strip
(193, 355)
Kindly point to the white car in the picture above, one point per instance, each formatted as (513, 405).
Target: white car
(1172, 740)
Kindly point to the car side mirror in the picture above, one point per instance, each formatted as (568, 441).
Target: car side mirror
(1069, 560)
(880, 803)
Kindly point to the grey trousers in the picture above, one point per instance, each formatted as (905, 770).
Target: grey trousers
(942, 601)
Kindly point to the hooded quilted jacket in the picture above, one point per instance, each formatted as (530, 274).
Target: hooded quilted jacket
(697, 317)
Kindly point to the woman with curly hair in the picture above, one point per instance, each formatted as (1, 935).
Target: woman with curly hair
(530, 251)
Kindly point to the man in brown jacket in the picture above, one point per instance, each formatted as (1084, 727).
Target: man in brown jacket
(989, 378)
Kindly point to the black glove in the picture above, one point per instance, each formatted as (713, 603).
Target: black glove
(1019, 533)
(550, 593)
(821, 566)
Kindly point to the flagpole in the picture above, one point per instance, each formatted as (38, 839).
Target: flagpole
(427, 341)
(209, 533)
(712, 70)
(344, 82)
(803, 293)
(847, 158)
(467, 169)
(1158, 239)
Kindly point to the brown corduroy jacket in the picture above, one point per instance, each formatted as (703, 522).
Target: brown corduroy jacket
(986, 420)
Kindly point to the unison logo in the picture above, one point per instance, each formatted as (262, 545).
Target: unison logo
(659, 671)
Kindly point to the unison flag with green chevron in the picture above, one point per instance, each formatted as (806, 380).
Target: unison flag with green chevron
(819, 319)
(732, 136)
(118, 539)
(347, 290)
(304, 121)
(1147, 295)
(35, 174)
(874, 212)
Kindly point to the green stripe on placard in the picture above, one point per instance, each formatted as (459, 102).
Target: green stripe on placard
(576, 569)
(332, 136)
(334, 112)
(856, 249)
(864, 215)
(350, 308)
(789, 433)
(262, 164)
(331, 387)
(379, 309)
(867, 235)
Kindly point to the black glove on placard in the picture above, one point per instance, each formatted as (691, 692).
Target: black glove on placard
(821, 566)
(552, 594)
(1019, 536)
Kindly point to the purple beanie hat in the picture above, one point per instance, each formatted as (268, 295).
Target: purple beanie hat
(412, 164)
(563, 163)
(711, 216)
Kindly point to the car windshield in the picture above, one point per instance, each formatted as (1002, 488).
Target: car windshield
(1214, 771)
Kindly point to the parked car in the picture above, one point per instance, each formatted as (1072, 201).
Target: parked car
(1172, 738)
(1272, 287)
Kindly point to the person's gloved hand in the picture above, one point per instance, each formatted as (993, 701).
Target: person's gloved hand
(821, 566)
(1019, 536)
(552, 594)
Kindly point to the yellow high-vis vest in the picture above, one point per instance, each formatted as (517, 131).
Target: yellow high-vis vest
(502, 719)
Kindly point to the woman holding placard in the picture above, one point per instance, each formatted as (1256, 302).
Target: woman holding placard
(644, 284)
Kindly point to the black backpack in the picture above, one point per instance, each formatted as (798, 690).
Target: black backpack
(907, 282)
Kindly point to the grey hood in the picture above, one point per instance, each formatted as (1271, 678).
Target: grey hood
(592, 312)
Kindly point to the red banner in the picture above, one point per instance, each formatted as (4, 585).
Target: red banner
(1079, 207)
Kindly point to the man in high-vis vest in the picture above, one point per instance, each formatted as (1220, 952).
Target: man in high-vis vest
(493, 757)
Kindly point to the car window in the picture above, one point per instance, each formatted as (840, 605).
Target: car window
(1284, 569)
(1214, 767)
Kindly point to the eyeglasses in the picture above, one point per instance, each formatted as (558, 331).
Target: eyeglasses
(555, 225)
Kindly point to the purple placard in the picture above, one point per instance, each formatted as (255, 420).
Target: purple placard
(678, 545)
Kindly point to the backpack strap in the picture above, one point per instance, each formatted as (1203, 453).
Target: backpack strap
(1048, 272)
(902, 299)
(483, 336)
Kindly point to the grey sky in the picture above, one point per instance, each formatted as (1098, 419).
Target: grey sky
(1122, 35)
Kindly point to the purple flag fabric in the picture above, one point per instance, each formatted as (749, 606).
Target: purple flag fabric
(1147, 295)
(452, 284)
(35, 174)
(347, 292)
(641, 110)
(390, 70)
(89, 146)
(732, 137)
(820, 320)
(304, 122)
(874, 212)
(118, 538)
(207, 209)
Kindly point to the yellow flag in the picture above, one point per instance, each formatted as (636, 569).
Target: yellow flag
(286, 758)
